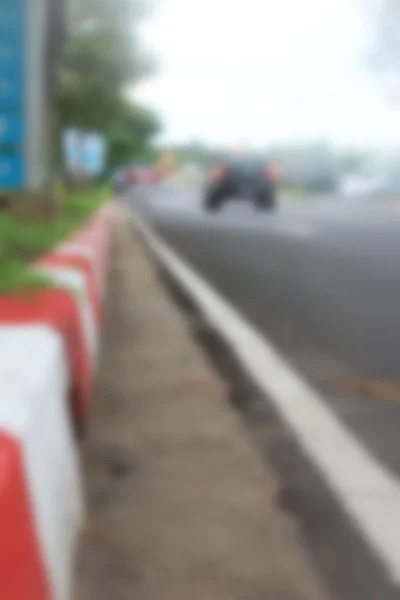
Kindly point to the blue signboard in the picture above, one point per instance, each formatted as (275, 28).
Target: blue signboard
(11, 128)
(12, 109)
(12, 14)
(84, 153)
(10, 50)
(72, 150)
(11, 171)
(94, 154)
(11, 88)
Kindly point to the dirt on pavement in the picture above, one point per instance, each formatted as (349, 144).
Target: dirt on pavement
(180, 504)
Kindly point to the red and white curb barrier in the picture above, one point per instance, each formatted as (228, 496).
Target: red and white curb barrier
(48, 350)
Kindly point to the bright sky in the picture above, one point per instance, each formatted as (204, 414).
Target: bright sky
(264, 71)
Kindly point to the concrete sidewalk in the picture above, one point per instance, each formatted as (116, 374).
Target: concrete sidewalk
(181, 507)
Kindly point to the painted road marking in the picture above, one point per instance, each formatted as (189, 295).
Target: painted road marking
(368, 491)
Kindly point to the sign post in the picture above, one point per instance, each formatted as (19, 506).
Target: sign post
(12, 113)
(25, 113)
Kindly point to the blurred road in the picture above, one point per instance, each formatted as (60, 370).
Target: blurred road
(321, 279)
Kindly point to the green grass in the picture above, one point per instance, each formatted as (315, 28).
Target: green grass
(22, 243)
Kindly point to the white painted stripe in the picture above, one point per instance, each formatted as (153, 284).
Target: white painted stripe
(368, 492)
(92, 242)
(73, 280)
(78, 249)
(88, 252)
(34, 408)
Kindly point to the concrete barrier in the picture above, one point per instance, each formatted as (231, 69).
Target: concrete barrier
(48, 350)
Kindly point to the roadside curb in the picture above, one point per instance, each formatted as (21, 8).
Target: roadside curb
(48, 355)
(181, 503)
(366, 491)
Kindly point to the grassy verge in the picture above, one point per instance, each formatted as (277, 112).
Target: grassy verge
(22, 243)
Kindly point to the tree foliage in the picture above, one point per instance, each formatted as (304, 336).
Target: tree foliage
(195, 151)
(102, 58)
(129, 133)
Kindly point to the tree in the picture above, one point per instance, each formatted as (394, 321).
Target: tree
(101, 58)
(130, 133)
(90, 14)
(195, 151)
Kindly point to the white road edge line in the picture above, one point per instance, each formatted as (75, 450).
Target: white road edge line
(369, 493)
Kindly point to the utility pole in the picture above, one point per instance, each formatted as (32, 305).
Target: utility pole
(26, 87)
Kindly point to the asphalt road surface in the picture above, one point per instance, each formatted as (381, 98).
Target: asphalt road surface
(321, 280)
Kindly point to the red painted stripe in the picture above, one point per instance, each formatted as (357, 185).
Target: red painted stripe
(64, 259)
(59, 310)
(96, 236)
(23, 571)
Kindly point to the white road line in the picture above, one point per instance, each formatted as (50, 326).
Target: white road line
(368, 492)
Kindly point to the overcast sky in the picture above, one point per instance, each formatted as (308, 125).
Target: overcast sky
(257, 72)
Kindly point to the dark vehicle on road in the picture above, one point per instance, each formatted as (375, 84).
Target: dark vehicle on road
(245, 178)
